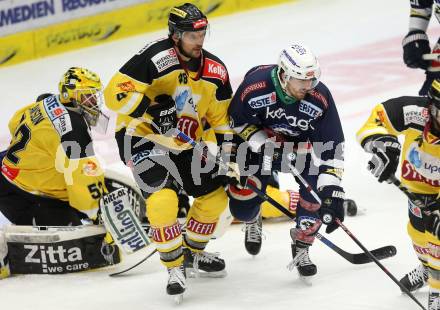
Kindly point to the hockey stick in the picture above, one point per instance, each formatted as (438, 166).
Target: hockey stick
(353, 237)
(354, 258)
(134, 266)
(403, 189)
(389, 274)
(357, 258)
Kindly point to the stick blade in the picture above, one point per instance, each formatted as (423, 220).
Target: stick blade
(379, 253)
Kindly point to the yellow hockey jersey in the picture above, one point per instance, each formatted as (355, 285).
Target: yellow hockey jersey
(157, 70)
(420, 157)
(51, 154)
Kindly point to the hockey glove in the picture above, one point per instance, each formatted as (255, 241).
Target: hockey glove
(332, 206)
(163, 113)
(272, 152)
(415, 45)
(386, 152)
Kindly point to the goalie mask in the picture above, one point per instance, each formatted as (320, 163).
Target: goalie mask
(297, 62)
(434, 106)
(81, 91)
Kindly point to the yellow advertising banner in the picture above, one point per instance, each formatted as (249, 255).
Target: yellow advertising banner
(113, 25)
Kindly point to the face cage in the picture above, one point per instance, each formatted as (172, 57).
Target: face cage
(90, 101)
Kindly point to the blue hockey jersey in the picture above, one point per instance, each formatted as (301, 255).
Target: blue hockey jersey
(260, 108)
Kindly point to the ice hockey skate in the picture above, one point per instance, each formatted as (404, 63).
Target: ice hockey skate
(176, 283)
(301, 261)
(416, 278)
(253, 238)
(203, 264)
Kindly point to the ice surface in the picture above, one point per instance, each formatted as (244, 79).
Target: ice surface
(359, 47)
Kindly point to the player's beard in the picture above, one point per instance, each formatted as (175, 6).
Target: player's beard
(193, 53)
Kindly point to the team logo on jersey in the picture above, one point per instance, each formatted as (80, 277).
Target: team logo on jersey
(188, 126)
(165, 59)
(411, 174)
(293, 121)
(414, 157)
(413, 114)
(263, 101)
(214, 69)
(126, 86)
(425, 164)
(309, 109)
(186, 101)
(90, 168)
(252, 88)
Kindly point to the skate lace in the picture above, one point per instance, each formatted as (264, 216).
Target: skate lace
(301, 259)
(177, 276)
(204, 257)
(417, 275)
(254, 232)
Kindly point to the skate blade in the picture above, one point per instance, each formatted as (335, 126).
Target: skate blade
(192, 273)
(178, 299)
(306, 280)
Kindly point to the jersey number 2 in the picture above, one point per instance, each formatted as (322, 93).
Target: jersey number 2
(20, 144)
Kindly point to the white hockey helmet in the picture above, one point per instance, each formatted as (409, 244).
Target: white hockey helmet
(297, 61)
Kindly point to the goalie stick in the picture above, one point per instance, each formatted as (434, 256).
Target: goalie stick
(134, 266)
(357, 258)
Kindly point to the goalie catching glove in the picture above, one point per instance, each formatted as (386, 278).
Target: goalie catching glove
(332, 206)
(386, 152)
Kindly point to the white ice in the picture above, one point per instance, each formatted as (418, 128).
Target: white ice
(359, 47)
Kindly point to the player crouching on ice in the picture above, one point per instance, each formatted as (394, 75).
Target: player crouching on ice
(50, 176)
(418, 120)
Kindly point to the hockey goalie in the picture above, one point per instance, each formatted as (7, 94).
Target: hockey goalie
(50, 177)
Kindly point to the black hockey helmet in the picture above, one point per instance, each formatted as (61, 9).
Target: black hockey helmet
(434, 96)
(186, 17)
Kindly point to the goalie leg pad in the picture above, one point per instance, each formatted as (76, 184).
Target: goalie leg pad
(57, 250)
(122, 223)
